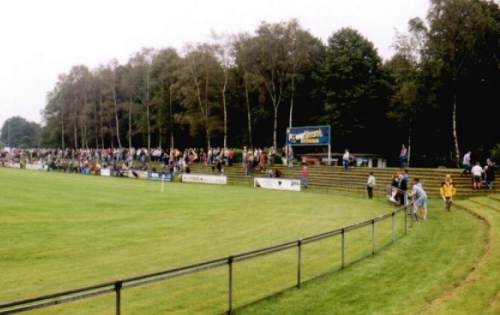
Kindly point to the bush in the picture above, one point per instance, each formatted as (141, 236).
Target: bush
(495, 153)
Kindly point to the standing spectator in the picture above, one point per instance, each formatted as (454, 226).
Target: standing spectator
(489, 172)
(304, 176)
(448, 191)
(370, 184)
(403, 187)
(345, 159)
(270, 156)
(477, 173)
(394, 192)
(244, 160)
(289, 156)
(466, 163)
(230, 156)
(277, 173)
(419, 200)
(403, 156)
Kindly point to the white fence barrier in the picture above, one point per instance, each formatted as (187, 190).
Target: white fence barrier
(277, 183)
(105, 172)
(204, 179)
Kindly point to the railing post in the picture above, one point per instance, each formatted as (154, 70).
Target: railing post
(118, 288)
(373, 237)
(299, 262)
(230, 285)
(342, 249)
(393, 226)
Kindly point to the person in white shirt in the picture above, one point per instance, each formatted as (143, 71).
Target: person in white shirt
(466, 163)
(370, 184)
(419, 200)
(477, 174)
(345, 159)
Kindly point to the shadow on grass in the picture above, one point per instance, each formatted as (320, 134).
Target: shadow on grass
(333, 272)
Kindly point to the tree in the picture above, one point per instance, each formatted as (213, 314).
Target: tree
(404, 70)
(462, 39)
(199, 89)
(269, 63)
(141, 65)
(112, 84)
(304, 53)
(128, 90)
(403, 103)
(354, 89)
(17, 132)
(165, 70)
(224, 52)
(243, 61)
(54, 113)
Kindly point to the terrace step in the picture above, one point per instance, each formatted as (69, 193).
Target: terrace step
(336, 178)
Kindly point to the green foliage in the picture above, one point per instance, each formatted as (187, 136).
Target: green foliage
(444, 75)
(495, 152)
(17, 132)
(353, 85)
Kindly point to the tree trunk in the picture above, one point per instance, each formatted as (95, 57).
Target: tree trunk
(249, 117)
(85, 138)
(130, 124)
(62, 130)
(82, 140)
(96, 126)
(75, 136)
(409, 143)
(292, 93)
(101, 122)
(62, 134)
(171, 116)
(148, 126)
(455, 136)
(147, 106)
(208, 139)
(225, 109)
(275, 128)
(203, 107)
(117, 123)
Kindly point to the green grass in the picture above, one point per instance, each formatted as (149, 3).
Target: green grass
(449, 264)
(61, 231)
(480, 293)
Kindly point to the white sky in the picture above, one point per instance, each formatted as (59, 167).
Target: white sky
(40, 39)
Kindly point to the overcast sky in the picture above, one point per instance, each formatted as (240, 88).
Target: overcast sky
(41, 39)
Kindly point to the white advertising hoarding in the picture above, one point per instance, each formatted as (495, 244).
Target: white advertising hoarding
(13, 165)
(277, 183)
(105, 172)
(204, 179)
(34, 167)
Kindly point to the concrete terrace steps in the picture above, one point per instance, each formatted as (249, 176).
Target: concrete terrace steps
(326, 177)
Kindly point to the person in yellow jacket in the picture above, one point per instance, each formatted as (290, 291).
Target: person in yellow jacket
(448, 191)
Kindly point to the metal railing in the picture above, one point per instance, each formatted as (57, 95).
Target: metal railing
(117, 286)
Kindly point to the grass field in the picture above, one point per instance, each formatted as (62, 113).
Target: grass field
(447, 265)
(62, 231)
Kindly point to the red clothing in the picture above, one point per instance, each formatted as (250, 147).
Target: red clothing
(304, 173)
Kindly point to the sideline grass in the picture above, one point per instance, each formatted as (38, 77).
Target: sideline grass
(480, 292)
(61, 231)
(435, 257)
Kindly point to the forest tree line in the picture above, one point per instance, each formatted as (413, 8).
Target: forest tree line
(437, 94)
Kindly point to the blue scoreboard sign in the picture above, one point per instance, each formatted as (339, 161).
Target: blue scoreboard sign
(310, 135)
